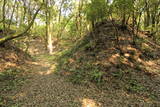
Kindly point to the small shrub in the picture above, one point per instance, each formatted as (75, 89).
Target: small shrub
(153, 96)
(134, 86)
(117, 74)
(10, 79)
(9, 74)
(77, 76)
(96, 76)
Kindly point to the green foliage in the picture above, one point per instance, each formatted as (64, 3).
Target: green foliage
(96, 10)
(157, 38)
(8, 74)
(7, 102)
(117, 74)
(134, 86)
(2, 101)
(10, 78)
(1, 26)
(62, 59)
(72, 29)
(77, 76)
(153, 96)
(82, 71)
(124, 6)
(86, 73)
(39, 31)
(96, 75)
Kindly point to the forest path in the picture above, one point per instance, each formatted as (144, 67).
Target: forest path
(45, 88)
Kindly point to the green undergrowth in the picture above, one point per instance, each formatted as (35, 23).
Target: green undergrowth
(134, 86)
(83, 69)
(87, 61)
(63, 56)
(10, 80)
(148, 51)
(80, 61)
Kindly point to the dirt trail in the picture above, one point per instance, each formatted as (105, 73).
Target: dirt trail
(45, 88)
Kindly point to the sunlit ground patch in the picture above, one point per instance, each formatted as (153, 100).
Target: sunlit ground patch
(90, 103)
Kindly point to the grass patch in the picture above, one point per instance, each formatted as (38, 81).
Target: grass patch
(134, 86)
(10, 80)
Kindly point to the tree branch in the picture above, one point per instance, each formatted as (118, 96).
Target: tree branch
(10, 37)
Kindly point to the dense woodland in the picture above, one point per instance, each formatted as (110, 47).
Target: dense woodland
(111, 47)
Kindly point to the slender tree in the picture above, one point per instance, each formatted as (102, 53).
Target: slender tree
(48, 27)
(4, 14)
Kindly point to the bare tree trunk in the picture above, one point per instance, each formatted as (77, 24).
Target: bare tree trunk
(17, 15)
(146, 15)
(4, 14)
(12, 14)
(80, 7)
(48, 29)
(139, 20)
(60, 11)
(24, 9)
(133, 23)
(124, 19)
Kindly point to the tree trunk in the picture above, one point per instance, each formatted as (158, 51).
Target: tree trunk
(12, 14)
(124, 19)
(146, 15)
(4, 14)
(60, 11)
(48, 30)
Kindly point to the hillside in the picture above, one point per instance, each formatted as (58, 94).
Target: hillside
(108, 57)
(12, 70)
(11, 56)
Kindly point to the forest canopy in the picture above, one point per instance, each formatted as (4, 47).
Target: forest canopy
(72, 16)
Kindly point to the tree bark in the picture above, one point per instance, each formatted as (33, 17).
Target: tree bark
(4, 18)
(48, 29)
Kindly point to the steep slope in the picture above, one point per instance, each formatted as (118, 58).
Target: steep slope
(108, 56)
(12, 72)
(11, 56)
